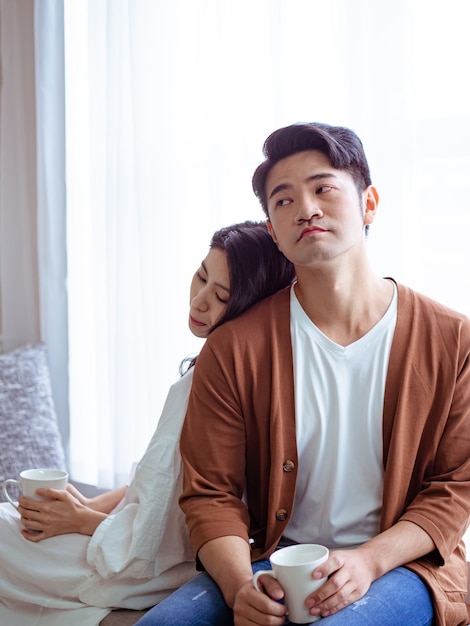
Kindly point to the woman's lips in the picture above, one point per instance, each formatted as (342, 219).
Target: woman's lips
(195, 321)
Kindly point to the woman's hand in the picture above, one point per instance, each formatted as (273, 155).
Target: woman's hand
(103, 502)
(62, 513)
(78, 495)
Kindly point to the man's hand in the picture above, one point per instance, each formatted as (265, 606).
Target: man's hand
(350, 576)
(349, 579)
(351, 572)
(252, 607)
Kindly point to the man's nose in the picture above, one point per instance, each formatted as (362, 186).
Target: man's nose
(308, 208)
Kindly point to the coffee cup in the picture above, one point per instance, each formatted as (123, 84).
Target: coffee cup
(293, 567)
(33, 479)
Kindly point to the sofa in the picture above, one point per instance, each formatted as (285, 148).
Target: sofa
(29, 435)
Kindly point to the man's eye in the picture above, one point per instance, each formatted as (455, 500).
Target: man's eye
(324, 188)
(201, 277)
(283, 202)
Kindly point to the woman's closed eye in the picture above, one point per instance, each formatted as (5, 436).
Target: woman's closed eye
(221, 298)
(202, 278)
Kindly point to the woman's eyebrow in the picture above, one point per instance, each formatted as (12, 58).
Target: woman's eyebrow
(203, 265)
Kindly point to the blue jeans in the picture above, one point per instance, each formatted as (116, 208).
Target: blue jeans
(399, 598)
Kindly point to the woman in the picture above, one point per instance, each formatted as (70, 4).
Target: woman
(129, 547)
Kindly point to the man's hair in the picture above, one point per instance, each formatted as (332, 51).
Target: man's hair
(341, 145)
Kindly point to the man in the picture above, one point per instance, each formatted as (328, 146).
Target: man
(334, 412)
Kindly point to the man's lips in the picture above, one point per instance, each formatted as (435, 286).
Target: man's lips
(311, 231)
(195, 321)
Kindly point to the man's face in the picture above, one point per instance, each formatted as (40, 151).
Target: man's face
(316, 215)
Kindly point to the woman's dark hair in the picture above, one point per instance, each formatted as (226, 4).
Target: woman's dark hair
(341, 145)
(257, 268)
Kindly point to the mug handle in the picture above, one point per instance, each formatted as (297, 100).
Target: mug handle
(10, 481)
(259, 573)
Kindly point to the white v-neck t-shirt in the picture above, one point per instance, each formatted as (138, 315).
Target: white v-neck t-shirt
(339, 393)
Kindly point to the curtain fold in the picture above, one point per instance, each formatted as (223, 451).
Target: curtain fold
(51, 209)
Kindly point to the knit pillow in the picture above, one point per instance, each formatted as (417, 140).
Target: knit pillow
(29, 436)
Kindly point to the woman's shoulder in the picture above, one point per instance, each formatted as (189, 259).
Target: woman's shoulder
(174, 409)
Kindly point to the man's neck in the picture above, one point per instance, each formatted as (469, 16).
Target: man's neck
(343, 307)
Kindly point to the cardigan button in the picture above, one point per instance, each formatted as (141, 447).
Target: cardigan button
(288, 466)
(281, 515)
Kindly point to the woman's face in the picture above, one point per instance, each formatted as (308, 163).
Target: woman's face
(209, 293)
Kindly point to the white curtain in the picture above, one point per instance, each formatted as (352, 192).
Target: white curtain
(51, 209)
(167, 106)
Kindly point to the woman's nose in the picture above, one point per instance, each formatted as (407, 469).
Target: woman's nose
(200, 301)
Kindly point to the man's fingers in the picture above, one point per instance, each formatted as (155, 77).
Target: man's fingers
(270, 586)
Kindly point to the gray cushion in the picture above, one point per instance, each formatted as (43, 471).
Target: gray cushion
(29, 436)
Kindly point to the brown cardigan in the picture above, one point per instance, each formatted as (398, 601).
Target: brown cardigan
(241, 421)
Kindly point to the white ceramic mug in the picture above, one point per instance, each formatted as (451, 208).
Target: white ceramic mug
(33, 479)
(293, 567)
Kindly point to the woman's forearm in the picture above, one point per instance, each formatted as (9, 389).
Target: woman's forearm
(105, 502)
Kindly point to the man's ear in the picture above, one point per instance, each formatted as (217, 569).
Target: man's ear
(271, 230)
(371, 202)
